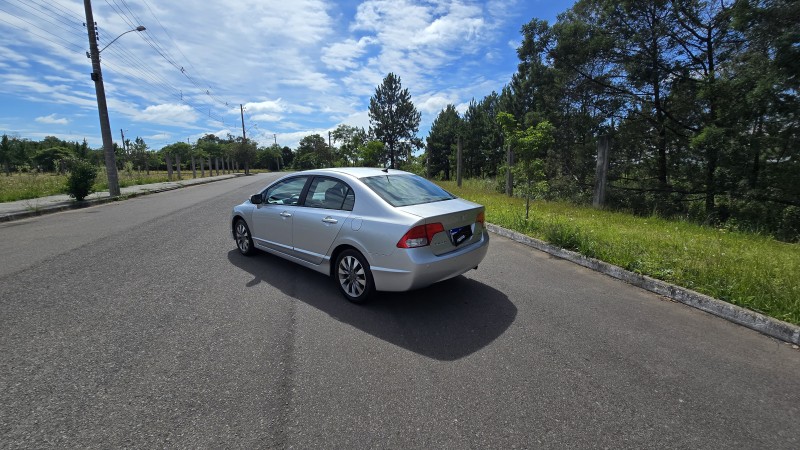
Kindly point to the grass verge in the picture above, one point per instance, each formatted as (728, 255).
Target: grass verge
(32, 185)
(748, 270)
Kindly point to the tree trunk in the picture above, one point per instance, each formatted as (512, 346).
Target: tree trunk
(755, 144)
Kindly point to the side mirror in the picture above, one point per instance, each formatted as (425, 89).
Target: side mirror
(256, 199)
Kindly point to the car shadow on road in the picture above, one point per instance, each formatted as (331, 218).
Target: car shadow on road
(446, 321)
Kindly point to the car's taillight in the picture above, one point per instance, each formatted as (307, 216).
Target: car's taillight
(420, 236)
(481, 219)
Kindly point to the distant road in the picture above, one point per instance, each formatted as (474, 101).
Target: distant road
(137, 324)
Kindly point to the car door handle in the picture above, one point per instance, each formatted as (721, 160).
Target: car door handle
(330, 220)
(286, 214)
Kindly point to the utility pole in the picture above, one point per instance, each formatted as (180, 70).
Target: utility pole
(102, 107)
(124, 144)
(244, 142)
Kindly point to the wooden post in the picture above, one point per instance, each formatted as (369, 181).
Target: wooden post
(168, 160)
(601, 173)
(509, 175)
(459, 153)
(178, 165)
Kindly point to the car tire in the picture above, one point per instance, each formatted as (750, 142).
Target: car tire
(244, 240)
(353, 276)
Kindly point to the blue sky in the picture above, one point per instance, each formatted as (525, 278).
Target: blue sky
(298, 66)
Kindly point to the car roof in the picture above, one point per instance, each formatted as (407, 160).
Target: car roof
(358, 172)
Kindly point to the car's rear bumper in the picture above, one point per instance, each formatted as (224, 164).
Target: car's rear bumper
(407, 269)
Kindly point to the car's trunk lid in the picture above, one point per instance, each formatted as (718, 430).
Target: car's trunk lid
(457, 216)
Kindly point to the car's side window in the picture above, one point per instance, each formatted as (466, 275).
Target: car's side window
(286, 192)
(328, 193)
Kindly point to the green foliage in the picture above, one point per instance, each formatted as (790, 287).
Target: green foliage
(52, 159)
(789, 228)
(415, 164)
(313, 153)
(442, 143)
(244, 152)
(350, 140)
(482, 138)
(698, 99)
(269, 157)
(82, 175)
(371, 154)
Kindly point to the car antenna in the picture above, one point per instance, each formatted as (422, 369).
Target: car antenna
(385, 170)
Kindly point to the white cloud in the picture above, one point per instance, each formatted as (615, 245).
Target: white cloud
(168, 114)
(434, 104)
(52, 120)
(344, 55)
(157, 137)
(267, 117)
(271, 106)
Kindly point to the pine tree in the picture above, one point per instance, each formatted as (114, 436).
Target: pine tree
(393, 118)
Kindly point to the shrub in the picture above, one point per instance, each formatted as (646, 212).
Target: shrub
(81, 179)
(790, 224)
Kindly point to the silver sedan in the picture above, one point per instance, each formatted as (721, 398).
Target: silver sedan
(369, 229)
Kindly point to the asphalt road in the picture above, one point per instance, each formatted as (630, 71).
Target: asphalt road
(137, 324)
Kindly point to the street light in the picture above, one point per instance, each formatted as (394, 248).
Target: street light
(102, 107)
(139, 28)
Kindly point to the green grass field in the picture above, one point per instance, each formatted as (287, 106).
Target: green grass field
(752, 271)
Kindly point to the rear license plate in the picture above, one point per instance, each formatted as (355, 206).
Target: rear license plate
(461, 234)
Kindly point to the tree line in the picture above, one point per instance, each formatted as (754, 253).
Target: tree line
(699, 100)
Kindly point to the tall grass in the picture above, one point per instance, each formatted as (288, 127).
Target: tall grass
(748, 270)
(30, 185)
(24, 186)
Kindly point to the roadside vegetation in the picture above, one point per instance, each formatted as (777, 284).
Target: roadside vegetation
(24, 186)
(749, 270)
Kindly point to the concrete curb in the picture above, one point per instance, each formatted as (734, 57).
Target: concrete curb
(133, 191)
(767, 325)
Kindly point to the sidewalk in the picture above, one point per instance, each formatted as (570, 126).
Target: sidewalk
(37, 206)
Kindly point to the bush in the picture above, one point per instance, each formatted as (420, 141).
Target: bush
(789, 229)
(81, 179)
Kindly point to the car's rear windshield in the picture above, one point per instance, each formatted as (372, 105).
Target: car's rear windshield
(406, 189)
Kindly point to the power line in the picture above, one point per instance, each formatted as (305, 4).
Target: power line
(71, 44)
(132, 20)
(66, 11)
(46, 14)
(43, 19)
